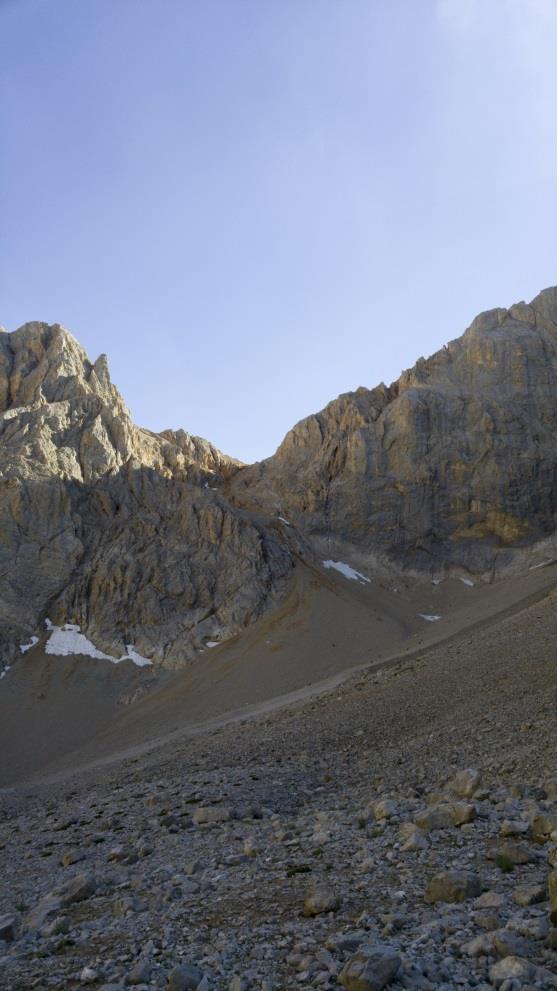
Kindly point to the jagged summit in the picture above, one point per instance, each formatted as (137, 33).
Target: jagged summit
(162, 541)
(45, 363)
(79, 422)
(116, 528)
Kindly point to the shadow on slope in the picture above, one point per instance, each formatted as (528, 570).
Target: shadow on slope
(57, 714)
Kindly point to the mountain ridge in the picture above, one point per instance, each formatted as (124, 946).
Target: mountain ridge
(93, 521)
(162, 541)
(369, 445)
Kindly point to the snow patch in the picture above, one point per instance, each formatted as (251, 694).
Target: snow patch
(282, 520)
(347, 571)
(24, 647)
(436, 581)
(5, 671)
(65, 641)
(468, 582)
(429, 618)
(542, 564)
(212, 643)
(132, 655)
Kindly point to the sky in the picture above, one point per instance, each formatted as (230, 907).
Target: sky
(254, 205)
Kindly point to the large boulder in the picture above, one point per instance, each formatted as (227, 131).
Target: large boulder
(465, 783)
(512, 968)
(453, 886)
(320, 899)
(372, 968)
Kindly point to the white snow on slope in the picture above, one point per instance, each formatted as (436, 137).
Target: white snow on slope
(465, 581)
(24, 647)
(282, 520)
(132, 655)
(428, 618)
(65, 641)
(347, 571)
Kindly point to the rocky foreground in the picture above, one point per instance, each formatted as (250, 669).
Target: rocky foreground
(401, 833)
(238, 883)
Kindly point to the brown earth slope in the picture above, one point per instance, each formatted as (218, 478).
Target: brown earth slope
(202, 853)
(59, 713)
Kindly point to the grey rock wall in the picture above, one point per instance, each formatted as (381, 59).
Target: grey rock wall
(115, 528)
(454, 465)
(162, 541)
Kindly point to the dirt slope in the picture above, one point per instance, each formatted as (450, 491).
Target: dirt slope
(59, 713)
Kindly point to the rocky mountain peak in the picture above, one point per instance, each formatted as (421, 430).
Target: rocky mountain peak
(117, 529)
(161, 541)
(44, 363)
(453, 465)
(74, 420)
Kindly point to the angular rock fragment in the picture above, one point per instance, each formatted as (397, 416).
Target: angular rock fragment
(465, 783)
(372, 968)
(320, 899)
(211, 814)
(453, 886)
(511, 969)
(8, 927)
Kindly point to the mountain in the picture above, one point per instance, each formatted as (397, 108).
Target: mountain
(161, 542)
(452, 466)
(119, 530)
(357, 791)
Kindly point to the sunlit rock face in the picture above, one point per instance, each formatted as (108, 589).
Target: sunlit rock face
(117, 529)
(452, 465)
(161, 541)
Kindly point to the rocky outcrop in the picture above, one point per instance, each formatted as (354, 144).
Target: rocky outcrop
(118, 529)
(452, 466)
(161, 541)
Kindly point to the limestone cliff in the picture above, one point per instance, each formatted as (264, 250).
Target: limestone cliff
(454, 465)
(115, 528)
(161, 541)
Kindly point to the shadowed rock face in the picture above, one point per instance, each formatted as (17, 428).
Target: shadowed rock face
(162, 541)
(113, 527)
(452, 465)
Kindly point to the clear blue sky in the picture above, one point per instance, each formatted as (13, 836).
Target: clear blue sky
(254, 205)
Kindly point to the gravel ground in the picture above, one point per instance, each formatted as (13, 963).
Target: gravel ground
(334, 844)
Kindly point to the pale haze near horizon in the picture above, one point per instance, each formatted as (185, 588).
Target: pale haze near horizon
(255, 205)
